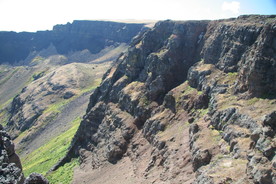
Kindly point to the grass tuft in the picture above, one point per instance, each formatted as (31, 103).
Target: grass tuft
(64, 174)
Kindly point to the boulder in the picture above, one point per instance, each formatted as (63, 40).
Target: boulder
(36, 178)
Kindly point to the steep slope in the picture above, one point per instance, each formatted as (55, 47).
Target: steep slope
(178, 107)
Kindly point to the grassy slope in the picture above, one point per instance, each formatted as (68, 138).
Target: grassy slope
(44, 158)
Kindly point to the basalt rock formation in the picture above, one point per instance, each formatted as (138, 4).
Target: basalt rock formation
(76, 36)
(190, 102)
(10, 165)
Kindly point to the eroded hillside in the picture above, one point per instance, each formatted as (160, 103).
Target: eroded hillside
(190, 102)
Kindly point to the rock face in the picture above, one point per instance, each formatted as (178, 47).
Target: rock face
(78, 36)
(179, 104)
(10, 165)
(239, 46)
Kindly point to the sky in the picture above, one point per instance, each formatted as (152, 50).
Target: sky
(34, 15)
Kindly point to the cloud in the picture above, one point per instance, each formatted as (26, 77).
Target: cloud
(233, 6)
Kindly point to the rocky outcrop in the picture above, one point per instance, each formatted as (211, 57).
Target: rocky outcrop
(10, 165)
(179, 104)
(63, 39)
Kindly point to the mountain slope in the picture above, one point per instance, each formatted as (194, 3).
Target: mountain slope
(43, 100)
(190, 102)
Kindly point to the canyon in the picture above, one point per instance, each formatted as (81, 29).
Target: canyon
(185, 102)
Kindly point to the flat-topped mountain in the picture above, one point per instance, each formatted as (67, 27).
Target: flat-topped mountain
(71, 37)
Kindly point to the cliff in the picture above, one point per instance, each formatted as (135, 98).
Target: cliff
(76, 36)
(190, 102)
